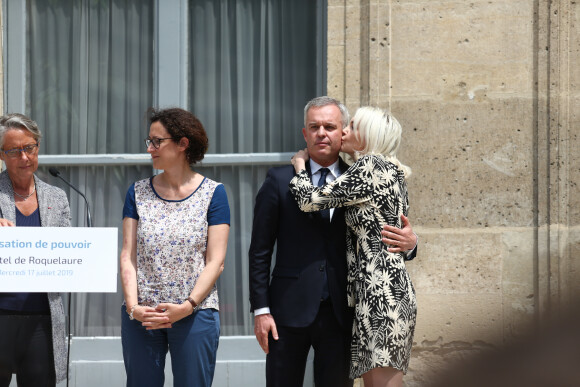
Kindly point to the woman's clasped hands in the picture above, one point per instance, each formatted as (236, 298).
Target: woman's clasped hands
(161, 316)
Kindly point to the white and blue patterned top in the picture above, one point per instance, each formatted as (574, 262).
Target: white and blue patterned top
(172, 240)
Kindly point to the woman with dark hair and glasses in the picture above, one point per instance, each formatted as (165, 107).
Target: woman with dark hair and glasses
(175, 232)
(32, 325)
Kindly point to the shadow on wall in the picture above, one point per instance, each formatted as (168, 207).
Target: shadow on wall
(549, 357)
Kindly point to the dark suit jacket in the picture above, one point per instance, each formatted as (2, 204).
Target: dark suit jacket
(305, 243)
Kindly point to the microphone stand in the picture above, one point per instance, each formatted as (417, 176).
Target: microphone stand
(56, 173)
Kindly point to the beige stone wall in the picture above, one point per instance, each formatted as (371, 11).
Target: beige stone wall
(488, 93)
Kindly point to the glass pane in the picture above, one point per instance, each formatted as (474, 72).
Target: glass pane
(253, 68)
(90, 71)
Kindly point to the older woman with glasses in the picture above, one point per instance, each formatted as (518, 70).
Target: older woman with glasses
(175, 232)
(32, 325)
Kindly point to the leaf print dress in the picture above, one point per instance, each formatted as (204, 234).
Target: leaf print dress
(375, 193)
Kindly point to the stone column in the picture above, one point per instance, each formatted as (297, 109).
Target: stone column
(557, 50)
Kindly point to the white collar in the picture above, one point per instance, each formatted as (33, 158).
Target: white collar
(314, 167)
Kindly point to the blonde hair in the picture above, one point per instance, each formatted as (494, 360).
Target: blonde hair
(380, 133)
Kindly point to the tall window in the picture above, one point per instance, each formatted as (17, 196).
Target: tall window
(90, 80)
(253, 67)
(92, 68)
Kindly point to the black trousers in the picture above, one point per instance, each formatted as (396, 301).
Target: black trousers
(286, 360)
(26, 350)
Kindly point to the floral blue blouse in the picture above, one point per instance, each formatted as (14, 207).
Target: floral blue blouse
(172, 240)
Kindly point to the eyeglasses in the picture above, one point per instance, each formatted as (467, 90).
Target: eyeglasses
(30, 150)
(156, 142)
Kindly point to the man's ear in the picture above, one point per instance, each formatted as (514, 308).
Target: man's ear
(304, 133)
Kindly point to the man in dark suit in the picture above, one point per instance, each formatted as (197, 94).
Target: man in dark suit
(305, 304)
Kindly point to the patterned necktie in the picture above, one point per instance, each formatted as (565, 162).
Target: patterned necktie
(323, 173)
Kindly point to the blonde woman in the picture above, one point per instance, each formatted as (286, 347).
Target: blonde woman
(374, 192)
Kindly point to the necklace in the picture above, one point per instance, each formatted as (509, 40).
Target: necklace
(24, 197)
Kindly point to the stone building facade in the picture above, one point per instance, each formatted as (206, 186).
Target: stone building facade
(488, 94)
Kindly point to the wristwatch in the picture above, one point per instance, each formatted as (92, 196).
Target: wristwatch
(193, 304)
(131, 312)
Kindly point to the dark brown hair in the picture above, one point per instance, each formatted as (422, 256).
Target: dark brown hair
(181, 123)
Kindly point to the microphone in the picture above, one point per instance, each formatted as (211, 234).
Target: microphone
(55, 172)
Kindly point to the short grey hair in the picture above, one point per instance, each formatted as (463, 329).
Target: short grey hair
(18, 121)
(319, 102)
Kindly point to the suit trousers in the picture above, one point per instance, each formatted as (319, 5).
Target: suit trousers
(286, 360)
